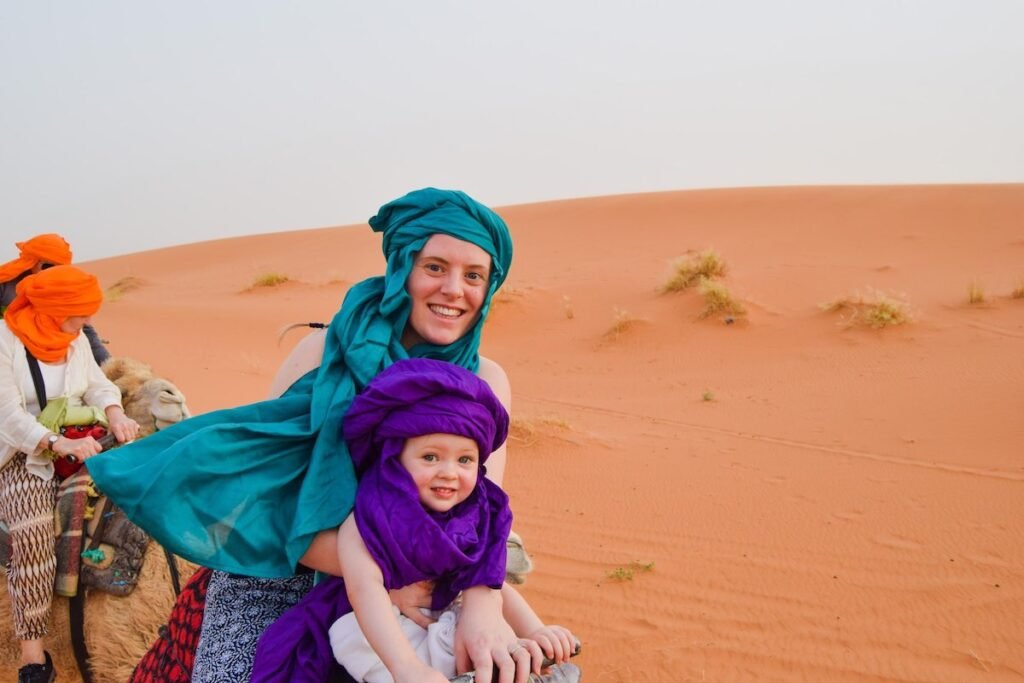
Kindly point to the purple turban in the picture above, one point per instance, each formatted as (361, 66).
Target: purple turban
(419, 396)
(457, 549)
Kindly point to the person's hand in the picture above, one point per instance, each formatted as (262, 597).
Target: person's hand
(409, 599)
(124, 428)
(484, 640)
(77, 450)
(528, 656)
(557, 643)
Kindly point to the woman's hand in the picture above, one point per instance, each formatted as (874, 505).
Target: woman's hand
(557, 642)
(409, 599)
(483, 640)
(78, 449)
(124, 428)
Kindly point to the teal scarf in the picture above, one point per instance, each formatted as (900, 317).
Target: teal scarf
(245, 489)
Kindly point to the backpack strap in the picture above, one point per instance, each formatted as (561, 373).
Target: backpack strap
(37, 378)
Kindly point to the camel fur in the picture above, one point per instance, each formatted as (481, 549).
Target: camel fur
(118, 631)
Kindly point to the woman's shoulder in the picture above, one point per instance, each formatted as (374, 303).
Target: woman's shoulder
(496, 378)
(7, 337)
(306, 356)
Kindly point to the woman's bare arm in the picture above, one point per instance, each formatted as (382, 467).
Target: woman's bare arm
(497, 380)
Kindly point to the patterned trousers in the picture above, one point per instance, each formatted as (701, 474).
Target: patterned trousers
(238, 610)
(26, 506)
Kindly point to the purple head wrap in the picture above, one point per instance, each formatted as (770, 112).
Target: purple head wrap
(419, 396)
(457, 549)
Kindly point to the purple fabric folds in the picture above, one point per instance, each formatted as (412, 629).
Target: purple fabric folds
(462, 548)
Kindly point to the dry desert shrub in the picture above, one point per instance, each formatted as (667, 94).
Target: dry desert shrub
(270, 279)
(688, 272)
(718, 300)
(876, 310)
(567, 307)
(626, 573)
(1018, 292)
(621, 321)
(527, 430)
(122, 287)
(975, 293)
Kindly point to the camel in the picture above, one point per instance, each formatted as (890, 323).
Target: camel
(118, 631)
(153, 402)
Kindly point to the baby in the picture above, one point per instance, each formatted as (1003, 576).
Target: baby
(418, 436)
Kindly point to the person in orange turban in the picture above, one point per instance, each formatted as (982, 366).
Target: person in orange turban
(44, 324)
(36, 254)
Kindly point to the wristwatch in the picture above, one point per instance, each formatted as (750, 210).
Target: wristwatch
(52, 440)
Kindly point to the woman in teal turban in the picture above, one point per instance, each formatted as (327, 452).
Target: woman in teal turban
(255, 491)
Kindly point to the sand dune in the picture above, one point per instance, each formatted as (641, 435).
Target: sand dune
(782, 498)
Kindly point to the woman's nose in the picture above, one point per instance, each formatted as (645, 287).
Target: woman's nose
(452, 286)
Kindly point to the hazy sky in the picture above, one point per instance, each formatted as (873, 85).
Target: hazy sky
(136, 124)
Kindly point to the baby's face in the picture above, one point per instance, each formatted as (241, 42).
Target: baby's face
(444, 468)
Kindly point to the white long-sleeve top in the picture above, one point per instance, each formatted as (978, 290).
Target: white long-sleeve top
(84, 384)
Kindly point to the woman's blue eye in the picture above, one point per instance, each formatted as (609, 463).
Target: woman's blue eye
(433, 267)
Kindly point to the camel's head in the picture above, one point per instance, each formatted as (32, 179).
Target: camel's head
(153, 402)
(166, 402)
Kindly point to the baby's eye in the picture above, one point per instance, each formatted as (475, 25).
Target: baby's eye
(430, 457)
(467, 459)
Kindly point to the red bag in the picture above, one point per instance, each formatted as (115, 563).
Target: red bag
(170, 658)
(64, 467)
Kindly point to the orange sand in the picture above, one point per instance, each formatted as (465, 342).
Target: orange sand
(848, 506)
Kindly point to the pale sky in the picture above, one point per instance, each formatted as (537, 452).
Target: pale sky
(138, 124)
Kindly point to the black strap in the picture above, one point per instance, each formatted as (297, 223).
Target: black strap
(76, 617)
(172, 567)
(37, 379)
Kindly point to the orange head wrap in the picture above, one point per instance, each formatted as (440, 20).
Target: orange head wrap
(48, 248)
(45, 300)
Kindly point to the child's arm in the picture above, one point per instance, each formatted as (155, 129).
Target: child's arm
(557, 642)
(364, 584)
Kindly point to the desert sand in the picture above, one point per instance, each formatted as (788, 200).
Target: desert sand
(789, 497)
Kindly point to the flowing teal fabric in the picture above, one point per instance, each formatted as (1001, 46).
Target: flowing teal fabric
(245, 489)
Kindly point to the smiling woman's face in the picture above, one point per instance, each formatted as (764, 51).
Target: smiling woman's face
(447, 286)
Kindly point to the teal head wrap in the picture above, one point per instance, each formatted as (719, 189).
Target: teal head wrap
(244, 490)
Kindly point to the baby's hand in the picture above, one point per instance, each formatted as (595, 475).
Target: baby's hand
(557, 643)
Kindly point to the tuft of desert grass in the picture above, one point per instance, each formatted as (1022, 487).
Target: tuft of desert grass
(526, 430)
(718, 300)
(708, 396)
(689, 271)
(567, 307)
(626, 573)
(876, 310)
(122, 287)
(621, 321)
(975, 293)
(1018, 291)
(270, 279)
